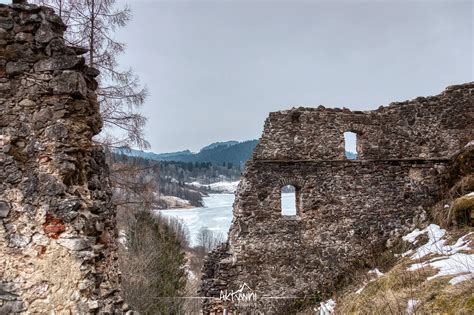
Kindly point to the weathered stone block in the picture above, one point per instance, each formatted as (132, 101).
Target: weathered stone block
(24, 37)
(17, 67)
(27, 103)
(6, 23)
(3, 34)
(45, 34)
(4, 209)
(74, 244)
(69, 82)
(59, 63)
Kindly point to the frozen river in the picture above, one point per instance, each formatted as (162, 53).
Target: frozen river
(216, 215)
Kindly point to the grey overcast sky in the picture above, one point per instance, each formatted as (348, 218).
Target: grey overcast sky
(216, 68)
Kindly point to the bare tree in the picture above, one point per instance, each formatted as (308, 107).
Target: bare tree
(134, 185)
(152, 264)
(91, 24)
(207, 240)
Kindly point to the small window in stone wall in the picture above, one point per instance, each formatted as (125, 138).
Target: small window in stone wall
(350, 145)
(288, 201)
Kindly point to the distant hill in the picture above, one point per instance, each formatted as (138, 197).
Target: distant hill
(234, 152)
(217, 144)
(351, 155)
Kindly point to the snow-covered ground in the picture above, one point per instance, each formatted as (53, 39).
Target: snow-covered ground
(326, 307)
(175, 202)
(411, 304)
(455, 261)
(450, 260)
(223, 187)
(469, 143)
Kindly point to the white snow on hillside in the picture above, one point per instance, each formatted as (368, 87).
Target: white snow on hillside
(326, 307)
(175, 202)
(411, 304)
(223, 187)
(450, 260)
(469, 143)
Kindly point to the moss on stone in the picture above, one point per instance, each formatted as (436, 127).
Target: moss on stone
(462, 210)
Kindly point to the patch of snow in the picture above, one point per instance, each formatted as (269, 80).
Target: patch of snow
(411, 306)
(376, 272)
(229, 187)
(174, 201)
(326, 307)
(461, 278)
(191, 275)
(122, 238)
(469, 143)
(458, 263)
(436, 245)
(224, 186)
(361, 289)
(450, 260)
(411, 237)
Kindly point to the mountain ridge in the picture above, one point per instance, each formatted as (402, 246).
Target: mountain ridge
(233, 152)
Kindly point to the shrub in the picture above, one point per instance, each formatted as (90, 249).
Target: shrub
(152, 265)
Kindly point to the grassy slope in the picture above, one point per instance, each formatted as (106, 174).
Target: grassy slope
(390, 293)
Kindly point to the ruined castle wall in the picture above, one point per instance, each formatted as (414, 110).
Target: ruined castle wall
(57, 226)
(432, 127)
(346, 210)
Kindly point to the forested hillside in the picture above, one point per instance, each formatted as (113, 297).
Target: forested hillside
(188, 175)
(173, 179)
(233, 152)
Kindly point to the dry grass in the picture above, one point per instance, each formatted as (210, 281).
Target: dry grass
(463, 186)
(386, 295)
(390, 294)
(458, 181)
(439, 297)
(456, 210)
(462, 210)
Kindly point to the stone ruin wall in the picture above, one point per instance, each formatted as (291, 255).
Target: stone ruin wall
(347, 210)
(57, 231)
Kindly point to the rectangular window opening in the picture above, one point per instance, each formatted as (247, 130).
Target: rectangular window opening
(350, 145)
(288, 201)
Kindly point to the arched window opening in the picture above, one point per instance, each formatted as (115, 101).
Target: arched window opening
(350, 145)
(288, 200)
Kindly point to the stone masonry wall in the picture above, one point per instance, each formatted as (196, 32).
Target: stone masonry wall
(347, 210)
(57, 226)
(427, 127)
